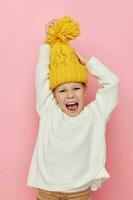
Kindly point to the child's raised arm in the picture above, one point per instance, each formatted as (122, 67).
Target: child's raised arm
(44, 96)
(107, 95)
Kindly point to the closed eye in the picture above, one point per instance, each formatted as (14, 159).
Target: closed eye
(62, 91)
(77, 88)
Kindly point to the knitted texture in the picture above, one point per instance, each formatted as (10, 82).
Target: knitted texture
(64, 63)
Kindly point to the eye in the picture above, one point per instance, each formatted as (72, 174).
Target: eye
(76, 88)
(62, 91)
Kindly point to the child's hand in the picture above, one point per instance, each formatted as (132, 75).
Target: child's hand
(82, 59)
(49, 24)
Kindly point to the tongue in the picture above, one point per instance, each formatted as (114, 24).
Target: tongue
(72, 107)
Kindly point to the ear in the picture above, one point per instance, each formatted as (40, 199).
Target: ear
(54, 92)
(85, 88)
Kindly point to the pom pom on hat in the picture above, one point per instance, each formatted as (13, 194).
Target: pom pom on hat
(64, 63)
(63, 30)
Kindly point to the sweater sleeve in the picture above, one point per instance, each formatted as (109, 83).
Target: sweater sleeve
(107, 95)
(44, 96)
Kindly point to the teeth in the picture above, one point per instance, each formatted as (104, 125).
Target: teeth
(71, 103)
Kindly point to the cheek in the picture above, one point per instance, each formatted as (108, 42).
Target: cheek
(60, 99)
(81, 94)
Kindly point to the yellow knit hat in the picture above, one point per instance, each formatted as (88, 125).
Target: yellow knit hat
(64, 64)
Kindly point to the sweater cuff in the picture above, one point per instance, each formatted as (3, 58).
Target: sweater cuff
(45, 47)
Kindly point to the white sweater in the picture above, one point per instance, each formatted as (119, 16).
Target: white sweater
(70, 152)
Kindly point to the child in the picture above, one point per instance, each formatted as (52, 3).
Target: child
(69, 157)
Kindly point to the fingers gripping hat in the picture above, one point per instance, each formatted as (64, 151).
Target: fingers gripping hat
(64, 64)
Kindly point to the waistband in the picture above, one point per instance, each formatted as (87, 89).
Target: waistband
(77, 194)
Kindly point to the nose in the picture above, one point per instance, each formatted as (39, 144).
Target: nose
(70, 94)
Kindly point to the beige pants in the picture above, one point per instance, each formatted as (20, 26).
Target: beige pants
(52, 195)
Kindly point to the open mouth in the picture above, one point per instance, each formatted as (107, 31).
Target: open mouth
(72, 106)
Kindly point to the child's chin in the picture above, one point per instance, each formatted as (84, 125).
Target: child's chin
(72, 113)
